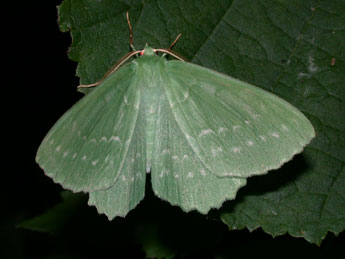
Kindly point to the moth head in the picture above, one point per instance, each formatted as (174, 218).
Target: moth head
(147, 51)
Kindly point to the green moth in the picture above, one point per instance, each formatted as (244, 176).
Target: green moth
(199, 133)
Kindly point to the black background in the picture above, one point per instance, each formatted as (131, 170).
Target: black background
(43, 82)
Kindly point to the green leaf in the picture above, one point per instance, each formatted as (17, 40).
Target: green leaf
(56, 218)
(294, 49)
(149, 237)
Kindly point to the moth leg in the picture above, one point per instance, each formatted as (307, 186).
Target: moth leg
(90, 85)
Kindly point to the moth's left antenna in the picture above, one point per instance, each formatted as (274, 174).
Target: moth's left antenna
(130, 32)
(121, 61)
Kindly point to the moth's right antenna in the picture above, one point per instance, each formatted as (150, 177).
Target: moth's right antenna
(170, 52)
(174, 42)
(130, 32)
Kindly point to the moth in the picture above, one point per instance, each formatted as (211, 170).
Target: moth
(199, 133)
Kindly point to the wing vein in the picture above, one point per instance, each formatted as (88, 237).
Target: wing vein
(183, 113)
(215, 109)
(132, 129)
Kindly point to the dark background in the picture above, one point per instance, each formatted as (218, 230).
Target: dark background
(43, 79)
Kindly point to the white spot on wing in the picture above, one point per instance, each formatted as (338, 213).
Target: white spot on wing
(284, 127)
(190, 175)
(263, 138)
(186, 95)
(221, 129)
(205, 132)
(283, 161)
(235, 127)
(104, 139)
(185, 157)
(83, 158)
(95, 162)
(188, 136)
(164, 172)
(236, 149)
(115, 139)
(247, 122)
(174, 157)
(151, 110)
(203, 172)
(125, 99)
(215, 151)
(250, 143)
(275, 134)
(209, 88)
